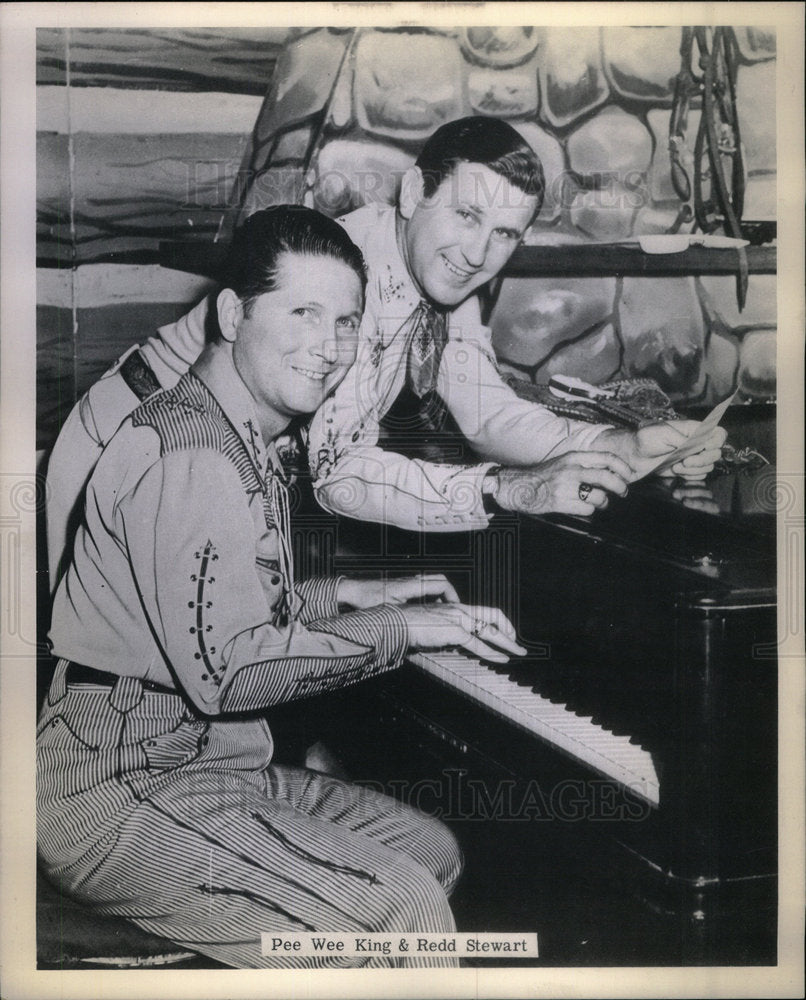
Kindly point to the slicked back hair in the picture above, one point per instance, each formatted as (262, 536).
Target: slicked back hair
(259, 243)
(489, 141)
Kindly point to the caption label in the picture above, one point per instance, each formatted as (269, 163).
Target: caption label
(464, 945)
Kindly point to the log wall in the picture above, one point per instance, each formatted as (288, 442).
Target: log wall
(140, 136)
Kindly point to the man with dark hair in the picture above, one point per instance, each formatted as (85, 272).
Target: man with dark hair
(179, 622)
(488, 141)
(424, 354)
(253, 259)
(462, 210)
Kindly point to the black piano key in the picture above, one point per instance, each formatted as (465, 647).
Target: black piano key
(594, 692)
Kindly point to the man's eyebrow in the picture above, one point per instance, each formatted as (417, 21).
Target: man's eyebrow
(312, 303)
(481, 210)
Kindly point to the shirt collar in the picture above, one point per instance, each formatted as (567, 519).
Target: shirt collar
(216, 370)
(395, 285)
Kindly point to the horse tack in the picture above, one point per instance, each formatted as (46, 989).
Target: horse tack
(717, 163)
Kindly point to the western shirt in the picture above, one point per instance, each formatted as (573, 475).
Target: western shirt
(352, 475)
(180, 572)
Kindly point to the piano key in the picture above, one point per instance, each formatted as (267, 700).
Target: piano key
(616, 756)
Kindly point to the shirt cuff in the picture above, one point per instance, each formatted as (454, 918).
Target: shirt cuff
(491, 507)
(319, 597)
(382, 628)
(467, 508)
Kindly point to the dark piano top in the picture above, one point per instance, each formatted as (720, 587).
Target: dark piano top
(721, 531)
(717, 539)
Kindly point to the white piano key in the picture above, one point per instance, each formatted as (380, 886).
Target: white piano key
(615, 756)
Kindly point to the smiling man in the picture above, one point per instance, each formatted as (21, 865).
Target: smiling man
(423, 356)
(425, 363)
(180, 621)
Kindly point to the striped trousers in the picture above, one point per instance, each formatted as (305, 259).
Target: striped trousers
(183, 826)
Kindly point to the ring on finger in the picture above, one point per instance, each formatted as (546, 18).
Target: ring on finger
(584, 491)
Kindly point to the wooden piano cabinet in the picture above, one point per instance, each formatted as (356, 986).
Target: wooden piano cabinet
(687, 602)
(712, 855)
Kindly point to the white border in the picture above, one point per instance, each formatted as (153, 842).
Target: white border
(17, 369)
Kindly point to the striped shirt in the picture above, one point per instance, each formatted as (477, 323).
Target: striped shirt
(182, 573)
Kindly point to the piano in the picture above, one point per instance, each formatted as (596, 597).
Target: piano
(643, 721)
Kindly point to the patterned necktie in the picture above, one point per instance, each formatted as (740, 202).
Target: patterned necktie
(427, 344)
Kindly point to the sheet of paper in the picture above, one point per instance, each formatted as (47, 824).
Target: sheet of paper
(697, 440)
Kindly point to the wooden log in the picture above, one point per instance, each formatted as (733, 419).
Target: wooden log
(234, 60)
(586, 260)
(129, 192)
(582, 260)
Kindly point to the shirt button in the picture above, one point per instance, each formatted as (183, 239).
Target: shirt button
(275, 580)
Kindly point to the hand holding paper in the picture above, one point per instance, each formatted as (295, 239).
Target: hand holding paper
(686, 448)
(698, 465)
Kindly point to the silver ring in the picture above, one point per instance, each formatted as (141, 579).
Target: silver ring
(478, 628)
(584, 491)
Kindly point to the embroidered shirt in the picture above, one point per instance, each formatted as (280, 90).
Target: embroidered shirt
(352, 475)
(96, 417)
(179, 574)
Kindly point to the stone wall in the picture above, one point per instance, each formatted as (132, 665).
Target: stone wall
(348, 110)
(145, 136)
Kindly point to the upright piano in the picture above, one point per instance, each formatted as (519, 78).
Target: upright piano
(643, 719)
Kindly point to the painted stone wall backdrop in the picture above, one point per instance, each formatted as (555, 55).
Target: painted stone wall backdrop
(153, 135)
(595, 104)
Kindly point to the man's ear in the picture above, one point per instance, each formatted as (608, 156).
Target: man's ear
(411, 191)
(230, 313)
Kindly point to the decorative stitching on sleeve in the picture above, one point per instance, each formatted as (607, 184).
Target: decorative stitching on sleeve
(202, 603)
